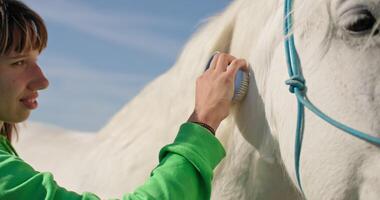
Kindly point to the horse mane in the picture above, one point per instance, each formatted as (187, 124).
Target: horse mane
(214, 34)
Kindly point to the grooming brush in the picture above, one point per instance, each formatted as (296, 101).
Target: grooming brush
(241, 83)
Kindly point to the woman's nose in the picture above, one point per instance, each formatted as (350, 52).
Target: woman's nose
(38, 81)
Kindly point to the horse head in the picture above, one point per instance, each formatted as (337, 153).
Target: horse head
(337, 44)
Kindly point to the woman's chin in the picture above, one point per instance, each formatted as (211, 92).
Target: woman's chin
(20, 117)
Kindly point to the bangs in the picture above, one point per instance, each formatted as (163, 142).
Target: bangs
(22, 29)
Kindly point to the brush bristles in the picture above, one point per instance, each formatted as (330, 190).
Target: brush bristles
(243, 89)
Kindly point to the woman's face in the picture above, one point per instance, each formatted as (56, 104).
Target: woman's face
(20, 80)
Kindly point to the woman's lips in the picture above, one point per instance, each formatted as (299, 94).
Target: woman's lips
(30, 101)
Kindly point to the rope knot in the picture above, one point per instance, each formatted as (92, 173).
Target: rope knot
(296, 81)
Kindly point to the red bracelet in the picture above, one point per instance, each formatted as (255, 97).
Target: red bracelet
(206, 126)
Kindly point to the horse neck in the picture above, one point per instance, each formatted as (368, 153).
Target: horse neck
(257, 34)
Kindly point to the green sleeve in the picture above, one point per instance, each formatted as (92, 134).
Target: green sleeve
(18, 180)
(184, 172)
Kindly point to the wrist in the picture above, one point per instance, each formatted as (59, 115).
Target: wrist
(205, 126)
(205, 120)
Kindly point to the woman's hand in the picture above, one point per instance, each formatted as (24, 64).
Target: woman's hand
(215, 89)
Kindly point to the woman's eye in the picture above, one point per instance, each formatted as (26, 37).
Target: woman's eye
(18, 63)
(363, 21)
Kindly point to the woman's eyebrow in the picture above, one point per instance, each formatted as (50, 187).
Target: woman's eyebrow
(18, 56)
(11, 58)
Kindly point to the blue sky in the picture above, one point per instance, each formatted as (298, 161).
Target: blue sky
(101, 53)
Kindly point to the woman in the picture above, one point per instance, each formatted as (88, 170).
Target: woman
(192, 157)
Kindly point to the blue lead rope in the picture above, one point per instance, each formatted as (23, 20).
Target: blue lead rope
(297, 86)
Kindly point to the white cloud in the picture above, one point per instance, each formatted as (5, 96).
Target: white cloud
(128, 28)
(83, 98)
(71, 74)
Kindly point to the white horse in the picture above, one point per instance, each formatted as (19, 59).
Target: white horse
(338, 44)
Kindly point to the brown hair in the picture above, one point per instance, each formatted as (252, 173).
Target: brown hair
(21, 29)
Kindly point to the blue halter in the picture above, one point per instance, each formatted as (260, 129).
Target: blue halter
(297, 86)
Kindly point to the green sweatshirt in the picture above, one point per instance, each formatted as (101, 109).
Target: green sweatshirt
(185, 172)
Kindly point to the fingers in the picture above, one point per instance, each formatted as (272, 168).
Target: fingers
(213, 61)
(223, 60)
(236, 65)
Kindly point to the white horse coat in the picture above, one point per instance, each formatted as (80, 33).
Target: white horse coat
(341, 69)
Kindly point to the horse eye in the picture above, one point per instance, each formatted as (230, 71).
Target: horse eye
(364, 21)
